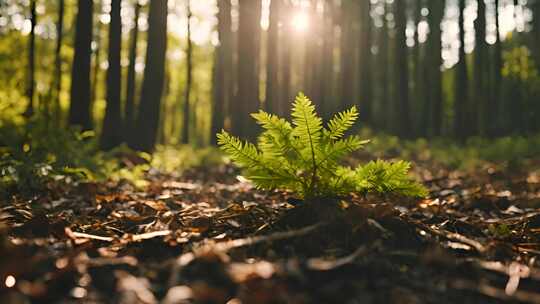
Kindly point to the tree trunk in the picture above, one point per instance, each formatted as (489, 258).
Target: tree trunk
(223, 66)
(31, 60)
(129, 114)
(146, 125)
(364, 64)
(79, 111)
(495, 121)
(421, 107)
(111, 135)
(247, 100)
(58, 62)
(434, 76)
(272, 82)
(385, 111)
(402, 72)
(285, 59)
(189, 53)
(480, 106)
(327, 62)
(347, 54)
(461, 94)
(97, 60)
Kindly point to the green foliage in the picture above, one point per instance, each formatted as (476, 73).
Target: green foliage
(35, 154)
(306, 156)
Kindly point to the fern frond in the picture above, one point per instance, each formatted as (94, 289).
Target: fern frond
(340, 123)
(388, 177)
(305, 157)
(307, 124)
(245, 154)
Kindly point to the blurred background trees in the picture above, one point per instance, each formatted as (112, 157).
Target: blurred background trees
(178, 71)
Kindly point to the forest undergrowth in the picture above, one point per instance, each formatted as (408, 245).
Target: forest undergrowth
(190, 229)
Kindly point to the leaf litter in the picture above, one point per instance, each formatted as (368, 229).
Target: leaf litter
(209, 237)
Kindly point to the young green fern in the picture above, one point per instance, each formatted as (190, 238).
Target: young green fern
(305, 156)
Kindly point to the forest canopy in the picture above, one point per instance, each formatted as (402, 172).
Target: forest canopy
(179, 71)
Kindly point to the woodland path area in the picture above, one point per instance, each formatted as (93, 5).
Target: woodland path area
(208, 237)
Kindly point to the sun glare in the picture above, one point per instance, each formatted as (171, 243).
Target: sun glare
(300, 22)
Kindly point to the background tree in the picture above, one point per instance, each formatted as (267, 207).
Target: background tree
(434, 76)
(480, 106)
(247, 100)
(223, 85)
(189, 77)
(111, 135)
(58, 62)
(79, 111)
(147, 123)
(347, 54)
(31, 60)
(461, 89)
(98, 45)
(129, 113)
(364, 61)
(404, 127)
(272, 55)
(495, 121)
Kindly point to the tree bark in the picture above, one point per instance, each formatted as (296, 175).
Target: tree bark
(461, 93)
(272, 80)
(347, 54)
(112, 123)
(97, 60)
(146, 125)
(385, 111)
(327, 61)
(480, 106)
(189, 74)
(247, 100)
(58, 62)
(31, 60)
(402, 73)
(79, 111)
(129, 114)
(222, 85)
(495, 121)
(434, 77)
(364, 64)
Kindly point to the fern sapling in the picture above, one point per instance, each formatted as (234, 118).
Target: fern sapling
(305, 157)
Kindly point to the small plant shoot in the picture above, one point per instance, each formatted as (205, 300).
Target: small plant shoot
(306, 156)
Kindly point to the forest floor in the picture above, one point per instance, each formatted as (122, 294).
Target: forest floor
(206, 236)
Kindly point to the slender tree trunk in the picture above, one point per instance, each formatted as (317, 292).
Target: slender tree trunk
(79, 111)
(189, 52)
(272, 85)
(402, 72)
(248, 68)
(480, 106)
(327, 61)
(58, 62)
(223, 66)
(31, 60)
(383, 58)
(347, 54)
(285, 59)
(146, 125)
(112, 123)
(97, 61)
(129, 114)
(495, 121)
(365, 57)
(434, 77)
(461, 94)
(421, 106)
